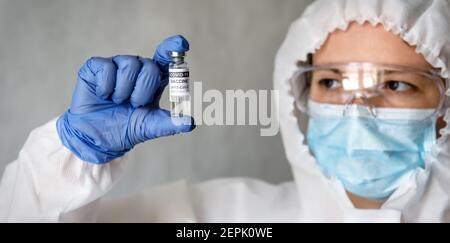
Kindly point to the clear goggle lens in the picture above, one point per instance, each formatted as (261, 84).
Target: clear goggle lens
(369, 85)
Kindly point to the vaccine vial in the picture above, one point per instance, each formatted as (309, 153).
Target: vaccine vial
(179, 97)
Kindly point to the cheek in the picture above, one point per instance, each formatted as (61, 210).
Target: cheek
(314, 92)
(432, 97)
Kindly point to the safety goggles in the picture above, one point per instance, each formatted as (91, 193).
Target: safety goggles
(368, 85)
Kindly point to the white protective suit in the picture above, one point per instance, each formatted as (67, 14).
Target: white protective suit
(48, 183)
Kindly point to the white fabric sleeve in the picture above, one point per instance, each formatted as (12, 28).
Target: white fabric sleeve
(47, 183)
(220, 200)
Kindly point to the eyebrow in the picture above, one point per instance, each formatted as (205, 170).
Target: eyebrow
(334, 70)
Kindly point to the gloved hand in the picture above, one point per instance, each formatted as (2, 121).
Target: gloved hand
(115, 105)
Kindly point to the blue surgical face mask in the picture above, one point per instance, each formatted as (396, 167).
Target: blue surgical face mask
(370, 156)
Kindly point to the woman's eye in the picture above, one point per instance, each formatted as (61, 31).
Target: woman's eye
(397, 86)
(330, 83)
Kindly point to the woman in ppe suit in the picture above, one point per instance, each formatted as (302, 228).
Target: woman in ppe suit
(364, 80)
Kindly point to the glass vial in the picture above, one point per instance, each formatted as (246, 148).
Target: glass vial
(180, 99)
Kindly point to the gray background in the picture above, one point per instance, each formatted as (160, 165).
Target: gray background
(233, 43)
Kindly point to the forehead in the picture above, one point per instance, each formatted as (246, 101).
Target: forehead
(367, 43)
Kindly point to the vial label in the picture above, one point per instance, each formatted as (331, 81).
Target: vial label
(178, 84)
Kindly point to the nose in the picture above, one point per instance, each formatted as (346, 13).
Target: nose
(357, 98)
(360, 99)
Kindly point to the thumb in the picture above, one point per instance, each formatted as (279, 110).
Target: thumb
(158, 123)
(173, 43)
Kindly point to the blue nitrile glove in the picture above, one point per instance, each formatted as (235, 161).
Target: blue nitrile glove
(115, 105)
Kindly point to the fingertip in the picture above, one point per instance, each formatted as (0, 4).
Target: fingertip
(137, 104)
(101, 94)
(134, 104)
(183, 124)
(118, 100)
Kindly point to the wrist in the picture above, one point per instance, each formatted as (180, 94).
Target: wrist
(82, 145)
